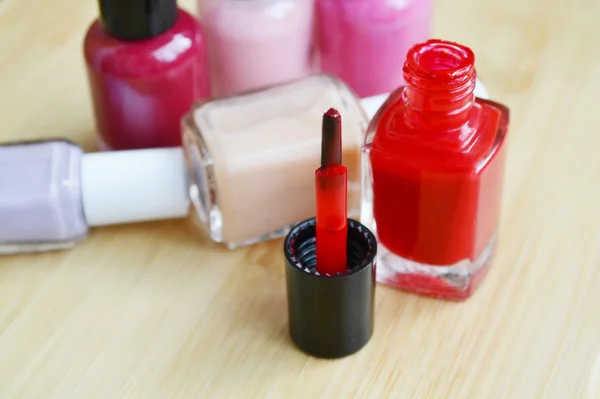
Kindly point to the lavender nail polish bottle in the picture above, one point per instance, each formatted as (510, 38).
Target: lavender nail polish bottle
(51, 193)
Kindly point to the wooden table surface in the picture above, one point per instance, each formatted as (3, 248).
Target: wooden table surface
(154, 311)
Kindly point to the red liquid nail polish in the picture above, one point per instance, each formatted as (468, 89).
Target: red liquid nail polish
(435, 159)
(146, 66)
(331, 186)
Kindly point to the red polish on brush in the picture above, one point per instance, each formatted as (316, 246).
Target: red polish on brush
(331, 187)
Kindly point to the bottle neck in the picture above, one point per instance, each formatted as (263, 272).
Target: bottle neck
(440, 85)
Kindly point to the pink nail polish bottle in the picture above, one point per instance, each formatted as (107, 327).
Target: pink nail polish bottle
(253, 44)
(365, 42)
(146, 65)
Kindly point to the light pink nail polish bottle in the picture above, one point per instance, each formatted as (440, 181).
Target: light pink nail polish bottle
(365, 42)
(253, 44)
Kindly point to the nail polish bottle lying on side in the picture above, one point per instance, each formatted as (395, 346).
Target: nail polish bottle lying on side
(51, 193)
(247, 168)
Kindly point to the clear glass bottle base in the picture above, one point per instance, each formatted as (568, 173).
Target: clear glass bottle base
(455, 282)
(17, 248)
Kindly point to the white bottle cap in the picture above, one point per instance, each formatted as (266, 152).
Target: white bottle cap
(132, 186)
(372, 104)
(480, 90)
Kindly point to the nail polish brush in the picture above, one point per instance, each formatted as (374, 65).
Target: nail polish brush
(331, 207)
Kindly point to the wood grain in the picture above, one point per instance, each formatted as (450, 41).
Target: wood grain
(155, 311)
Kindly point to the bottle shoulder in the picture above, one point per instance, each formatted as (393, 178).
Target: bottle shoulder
(183, 43)
(390, 136)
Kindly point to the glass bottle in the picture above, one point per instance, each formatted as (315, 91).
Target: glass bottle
(363, 42)
(253, 44)
(146, 65)
(434, 162)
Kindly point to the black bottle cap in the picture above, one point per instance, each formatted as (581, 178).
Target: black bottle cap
(137, 19)
(330, 316)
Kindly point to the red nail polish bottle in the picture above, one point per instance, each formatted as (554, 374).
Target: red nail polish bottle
(146, 66)
(434, 157)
